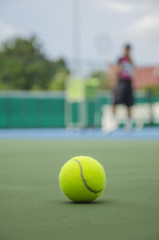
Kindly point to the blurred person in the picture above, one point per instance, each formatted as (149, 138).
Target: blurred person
(122, 75)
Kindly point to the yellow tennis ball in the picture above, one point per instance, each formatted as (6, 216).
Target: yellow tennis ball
(82, 179)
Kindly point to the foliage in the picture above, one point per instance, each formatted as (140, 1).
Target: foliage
(103, 79)
(154, 90)
(59, 80)
(23, 65)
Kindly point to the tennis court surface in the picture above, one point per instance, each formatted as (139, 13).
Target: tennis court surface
(32, 206)
(88, 133)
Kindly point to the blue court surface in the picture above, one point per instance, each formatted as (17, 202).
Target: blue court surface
(135, 134)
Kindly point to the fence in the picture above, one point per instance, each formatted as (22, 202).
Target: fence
(47, 109)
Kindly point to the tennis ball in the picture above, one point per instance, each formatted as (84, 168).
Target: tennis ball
(82, 179)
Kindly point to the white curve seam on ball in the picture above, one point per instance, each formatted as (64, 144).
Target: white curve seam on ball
(84, 181)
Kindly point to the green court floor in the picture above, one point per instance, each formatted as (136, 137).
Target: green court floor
(32, 206)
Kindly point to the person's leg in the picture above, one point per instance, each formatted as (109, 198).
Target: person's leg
(109, 120)
(129, 103)
(129, 112)
(114, 114)
(129, 121)
(114, 109)
(114, 118)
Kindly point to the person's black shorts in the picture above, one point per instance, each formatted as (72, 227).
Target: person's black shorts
(123, 94)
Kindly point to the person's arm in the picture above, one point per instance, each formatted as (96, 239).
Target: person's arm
(113, 75)
(117, 68)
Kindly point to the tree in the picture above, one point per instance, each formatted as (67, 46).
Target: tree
(23, 65)
(58, 82)
(103, 79)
